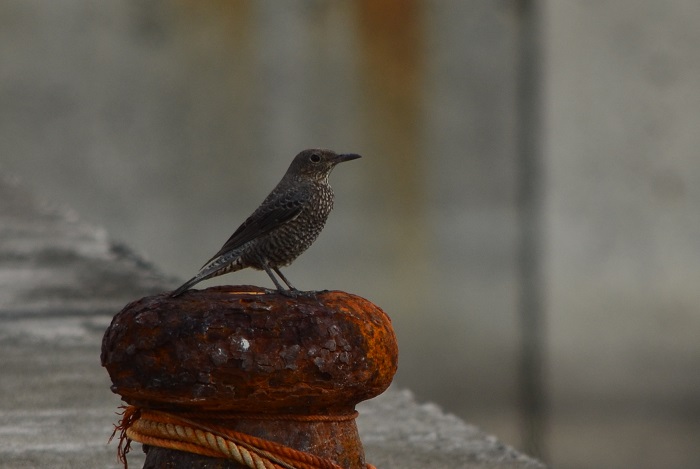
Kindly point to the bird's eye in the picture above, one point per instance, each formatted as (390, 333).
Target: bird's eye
(315, 158)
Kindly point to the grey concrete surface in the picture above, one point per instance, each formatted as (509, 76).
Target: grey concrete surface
(167, 122)
(61, 281)
(622, 223)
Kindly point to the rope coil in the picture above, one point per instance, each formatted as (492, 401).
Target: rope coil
(165, 430)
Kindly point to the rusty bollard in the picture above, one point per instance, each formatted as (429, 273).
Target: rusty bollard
(244, 359)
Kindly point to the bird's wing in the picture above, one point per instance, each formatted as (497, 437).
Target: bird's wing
(266, 218)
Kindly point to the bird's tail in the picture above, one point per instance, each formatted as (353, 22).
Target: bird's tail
(186, 286)
(219, 266)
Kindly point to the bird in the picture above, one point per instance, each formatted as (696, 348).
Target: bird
(285, 224)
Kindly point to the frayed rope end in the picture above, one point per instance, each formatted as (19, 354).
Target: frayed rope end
(129, 415)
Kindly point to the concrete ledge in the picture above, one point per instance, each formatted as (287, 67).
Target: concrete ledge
(60, 283)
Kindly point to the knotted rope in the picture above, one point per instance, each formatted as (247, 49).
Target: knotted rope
(181, 433)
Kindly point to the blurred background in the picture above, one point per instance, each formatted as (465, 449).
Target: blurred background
(526, 211)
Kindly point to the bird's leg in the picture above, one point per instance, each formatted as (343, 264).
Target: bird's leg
(284, 279)
(274, 280)
(293, 292)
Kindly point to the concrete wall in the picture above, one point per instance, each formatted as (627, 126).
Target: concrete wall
(168, 122)
(623, 109)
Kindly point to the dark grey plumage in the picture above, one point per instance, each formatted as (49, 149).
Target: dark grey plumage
(286, 223)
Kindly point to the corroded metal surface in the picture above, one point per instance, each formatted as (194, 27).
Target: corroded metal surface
(257, 362)
(244, 350)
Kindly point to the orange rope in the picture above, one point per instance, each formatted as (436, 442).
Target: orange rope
(166, 430)
(292, 417)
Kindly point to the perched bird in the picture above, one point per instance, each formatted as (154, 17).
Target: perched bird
(284, 225)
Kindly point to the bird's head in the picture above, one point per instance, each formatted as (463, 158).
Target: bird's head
(317, 164)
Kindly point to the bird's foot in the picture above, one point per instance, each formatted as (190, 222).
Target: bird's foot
(296, 293)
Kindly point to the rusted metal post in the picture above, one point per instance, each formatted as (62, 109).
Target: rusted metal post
(256, 362)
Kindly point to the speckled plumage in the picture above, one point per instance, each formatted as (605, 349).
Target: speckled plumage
(286, 223)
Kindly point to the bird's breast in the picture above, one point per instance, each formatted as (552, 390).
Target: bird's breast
(284, 244)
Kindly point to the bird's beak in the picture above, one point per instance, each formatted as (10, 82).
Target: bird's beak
(347, 157)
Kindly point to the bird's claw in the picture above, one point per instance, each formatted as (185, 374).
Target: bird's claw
(296, 293)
